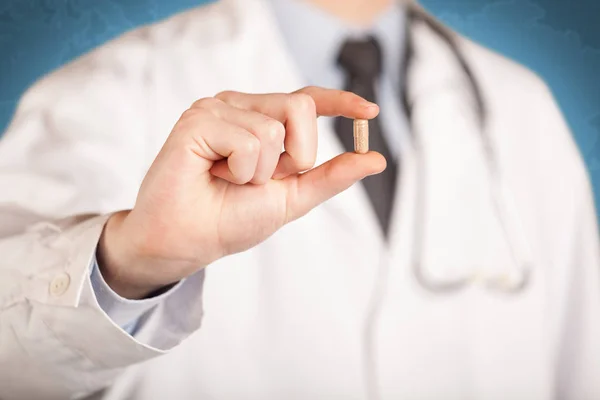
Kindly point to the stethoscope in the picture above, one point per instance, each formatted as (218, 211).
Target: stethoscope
(513, 280)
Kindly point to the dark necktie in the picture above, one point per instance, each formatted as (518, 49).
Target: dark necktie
(362, 63)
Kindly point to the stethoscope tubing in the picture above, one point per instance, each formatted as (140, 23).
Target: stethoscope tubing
(504, 209)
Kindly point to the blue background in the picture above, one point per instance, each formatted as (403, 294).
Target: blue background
(560, 39)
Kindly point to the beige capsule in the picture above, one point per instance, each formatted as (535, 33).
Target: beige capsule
(361, 136)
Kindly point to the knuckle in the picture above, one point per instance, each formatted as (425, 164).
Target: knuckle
(206, 103)
(308, 89)
(189, 117)
(225, 94)
(192, 114)
(188, 114)
(274, 130)
(250, 146)
(302, 101)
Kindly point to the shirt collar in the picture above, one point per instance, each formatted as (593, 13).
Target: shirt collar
(315, 37)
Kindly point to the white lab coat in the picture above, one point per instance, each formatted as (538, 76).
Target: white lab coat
(291, 318)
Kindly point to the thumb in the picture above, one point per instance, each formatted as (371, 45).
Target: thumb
(312, 188)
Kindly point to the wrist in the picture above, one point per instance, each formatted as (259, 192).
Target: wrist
(121, 264)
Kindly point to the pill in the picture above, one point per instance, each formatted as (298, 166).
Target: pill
(361, 136)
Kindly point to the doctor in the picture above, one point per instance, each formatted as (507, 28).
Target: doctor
(155, 244)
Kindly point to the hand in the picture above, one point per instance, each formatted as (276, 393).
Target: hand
(221, 184)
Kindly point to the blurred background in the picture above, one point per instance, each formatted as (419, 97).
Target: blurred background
(559, 39)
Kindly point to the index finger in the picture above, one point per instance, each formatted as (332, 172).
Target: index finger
(340, 103)
(328, 103)
(298, 111)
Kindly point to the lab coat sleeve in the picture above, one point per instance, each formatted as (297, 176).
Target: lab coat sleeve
(579, 350)
(76, 150)
(575, 289)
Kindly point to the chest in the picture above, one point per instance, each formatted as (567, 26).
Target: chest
(324, 306)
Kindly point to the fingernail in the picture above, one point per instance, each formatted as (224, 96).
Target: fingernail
(368, 104)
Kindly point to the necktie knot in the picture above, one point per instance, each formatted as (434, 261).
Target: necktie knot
(361, 59)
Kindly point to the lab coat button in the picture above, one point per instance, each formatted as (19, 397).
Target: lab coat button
(60, 284)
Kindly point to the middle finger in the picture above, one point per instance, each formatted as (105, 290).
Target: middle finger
(297, 111)
(268, 130)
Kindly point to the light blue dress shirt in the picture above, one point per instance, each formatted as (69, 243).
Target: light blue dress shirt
(314, 38)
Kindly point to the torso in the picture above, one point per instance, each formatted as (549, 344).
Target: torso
(288, 319)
